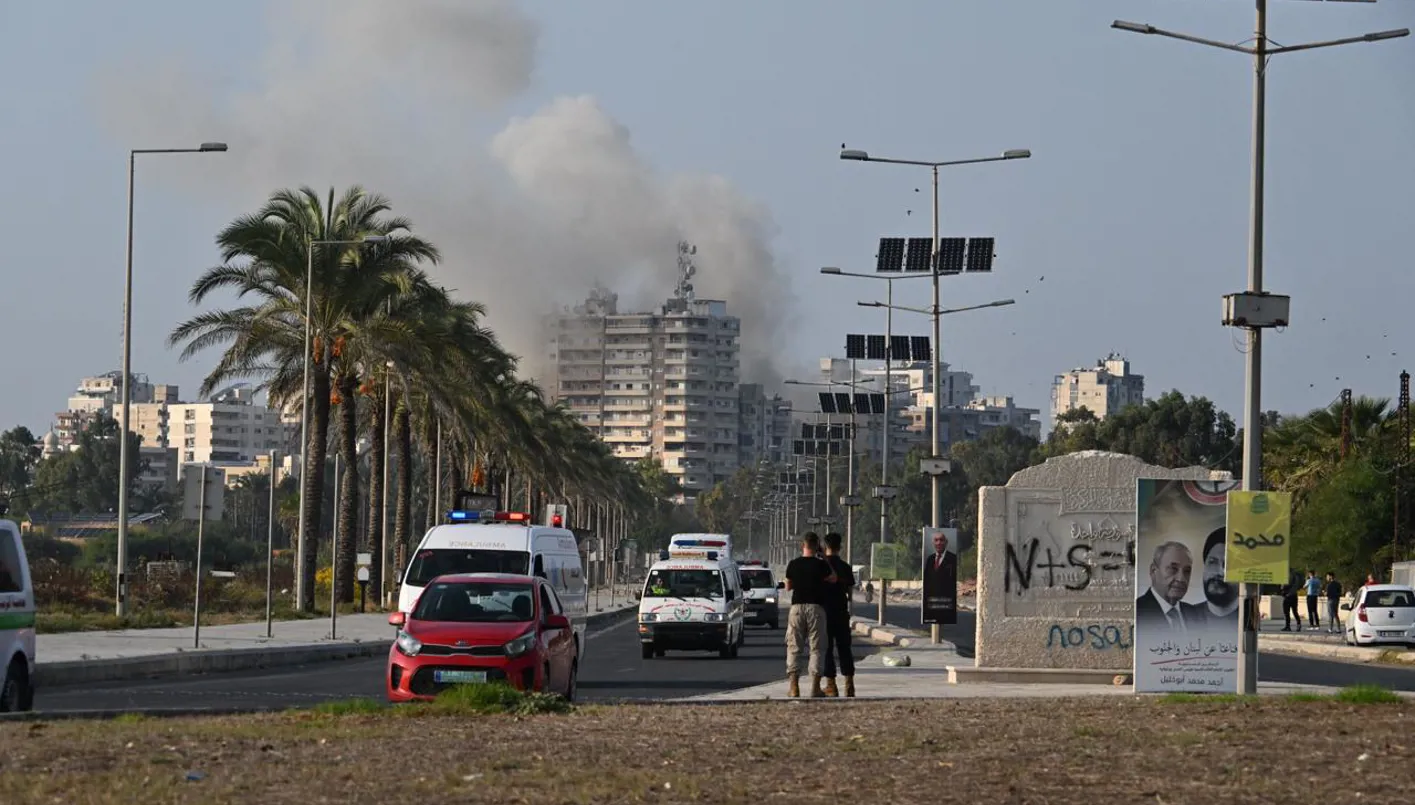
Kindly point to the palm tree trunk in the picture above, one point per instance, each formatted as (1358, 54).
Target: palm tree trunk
(375, 492)
(403, 480)
(431, 479)
(454, 479)
(315, 453)
(349, 489)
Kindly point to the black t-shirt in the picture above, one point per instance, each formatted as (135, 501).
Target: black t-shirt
(839, 592)
(807, 575)
(1334, 589)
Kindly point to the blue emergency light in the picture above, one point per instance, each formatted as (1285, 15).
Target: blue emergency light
(463, 516)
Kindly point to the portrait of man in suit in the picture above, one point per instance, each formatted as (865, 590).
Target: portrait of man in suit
(1162, 606)
(941, 581)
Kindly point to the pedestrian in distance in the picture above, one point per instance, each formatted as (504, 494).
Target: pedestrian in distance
(1333, 604)
(1289, 603)
(837, 621)
(1314, 591)
(807, 577)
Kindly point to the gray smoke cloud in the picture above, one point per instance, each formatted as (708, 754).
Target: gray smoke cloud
(406, 99)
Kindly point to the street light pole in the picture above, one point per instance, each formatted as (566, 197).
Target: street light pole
(1261, 52)
(124, 480)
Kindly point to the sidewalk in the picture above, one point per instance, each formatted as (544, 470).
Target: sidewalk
(926, 675)
(86, 657)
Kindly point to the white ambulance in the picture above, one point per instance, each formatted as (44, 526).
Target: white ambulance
(501, 542)
(16, 623)
(692, 600)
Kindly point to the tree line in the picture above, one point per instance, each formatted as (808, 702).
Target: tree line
(385, 336)
(1344, 504)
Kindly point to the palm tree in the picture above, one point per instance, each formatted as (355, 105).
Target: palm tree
(264, 257)
(1301, 451)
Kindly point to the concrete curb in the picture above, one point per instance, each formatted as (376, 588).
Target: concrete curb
(887, 635)
(78, 672)
(1361, 654)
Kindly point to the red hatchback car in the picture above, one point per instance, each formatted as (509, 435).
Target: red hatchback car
(482, 627)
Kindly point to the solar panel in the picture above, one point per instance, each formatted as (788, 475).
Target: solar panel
(920, 254)
(862, 402)
(950, 255)
(919, 346)
(842, 403)
(875, 350)
(899, 347)
(876, 403)
(980, 252)
(828, 403)
(891, 254)
(855, 346)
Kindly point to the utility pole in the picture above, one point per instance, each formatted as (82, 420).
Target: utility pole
(1402, 460)
(1255, 309)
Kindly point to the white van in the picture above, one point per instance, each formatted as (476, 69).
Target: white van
(692, 601)
(501, 542)
(16, 622)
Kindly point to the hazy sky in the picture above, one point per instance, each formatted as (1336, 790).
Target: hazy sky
(546, 144)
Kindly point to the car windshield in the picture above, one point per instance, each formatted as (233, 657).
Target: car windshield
(476, 602)
(757, 579)
(1394, 599)
(684, 583)
(430, 563)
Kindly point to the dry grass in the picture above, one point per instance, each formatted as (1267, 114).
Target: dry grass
(1096, 750)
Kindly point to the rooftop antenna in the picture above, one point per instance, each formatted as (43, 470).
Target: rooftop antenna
(686, 269)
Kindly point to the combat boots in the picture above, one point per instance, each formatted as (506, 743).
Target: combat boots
(830, 689)
(849, 687)
(793, 686)
(816, 692)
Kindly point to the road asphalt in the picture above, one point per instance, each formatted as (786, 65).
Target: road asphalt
(613, 670)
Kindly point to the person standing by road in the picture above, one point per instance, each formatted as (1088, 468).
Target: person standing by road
(1289, 603)
(1314, 591)
(837, 620)
(1333, 603)
(807, 577)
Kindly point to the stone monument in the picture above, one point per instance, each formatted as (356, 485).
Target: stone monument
(1056, 565)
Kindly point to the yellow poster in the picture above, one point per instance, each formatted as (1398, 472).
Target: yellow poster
(1259, 530)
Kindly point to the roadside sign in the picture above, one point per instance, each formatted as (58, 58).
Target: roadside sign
(884, 561)
(363, 574)
(364, 559)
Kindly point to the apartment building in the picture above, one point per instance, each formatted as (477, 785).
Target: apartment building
(230, 428)
(764, 426)
(1103, 389)
(660, 384)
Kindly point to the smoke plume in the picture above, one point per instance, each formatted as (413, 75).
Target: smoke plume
(406, 99)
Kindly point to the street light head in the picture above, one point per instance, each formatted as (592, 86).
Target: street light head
(870, 304)
(792, 382)
(1017, 153)
(855, 154)
(1376, 37)
(212, 147)
(1133, 27)
(1004, 302)
(830, 270)
(375, 238)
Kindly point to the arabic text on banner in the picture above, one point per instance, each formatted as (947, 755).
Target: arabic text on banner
(1186, 614)
(1259, 533)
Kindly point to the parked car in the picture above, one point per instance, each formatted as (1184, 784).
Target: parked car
(1381, 613)
(479, 628)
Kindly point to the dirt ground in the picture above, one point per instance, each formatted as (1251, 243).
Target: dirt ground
(1094, 751)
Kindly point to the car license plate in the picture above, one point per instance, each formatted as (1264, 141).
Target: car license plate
(1391, 633)
(454, 677)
